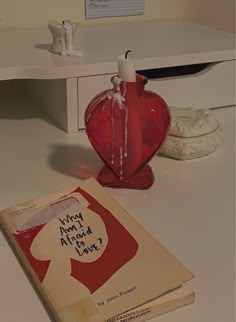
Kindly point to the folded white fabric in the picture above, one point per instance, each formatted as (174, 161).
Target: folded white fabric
(193, 133)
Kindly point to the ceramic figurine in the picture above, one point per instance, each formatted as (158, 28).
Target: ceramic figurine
(62, 34)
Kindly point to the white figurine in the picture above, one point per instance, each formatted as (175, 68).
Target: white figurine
(62, 34)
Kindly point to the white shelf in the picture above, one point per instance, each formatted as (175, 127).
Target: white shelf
(26, 54)
(60, 83)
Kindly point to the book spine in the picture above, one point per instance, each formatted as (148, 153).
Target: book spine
(149, 312)
(138, 315)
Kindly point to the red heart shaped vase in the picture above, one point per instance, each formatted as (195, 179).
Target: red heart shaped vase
(126, 126)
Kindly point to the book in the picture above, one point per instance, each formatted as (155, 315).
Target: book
(90, 260)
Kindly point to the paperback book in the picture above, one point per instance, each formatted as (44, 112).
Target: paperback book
(90, 260)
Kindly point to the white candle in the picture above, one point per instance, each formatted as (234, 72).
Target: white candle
(126, 69)
(62, 34)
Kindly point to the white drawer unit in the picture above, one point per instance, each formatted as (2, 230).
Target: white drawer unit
(187, 64)
(210, 87)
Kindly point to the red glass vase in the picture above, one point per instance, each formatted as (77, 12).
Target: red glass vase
(126, 125)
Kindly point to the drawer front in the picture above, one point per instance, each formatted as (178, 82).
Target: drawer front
(210, 88)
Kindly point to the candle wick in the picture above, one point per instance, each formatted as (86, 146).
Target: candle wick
(126, 54)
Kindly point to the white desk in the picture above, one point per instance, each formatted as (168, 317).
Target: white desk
(190, 208)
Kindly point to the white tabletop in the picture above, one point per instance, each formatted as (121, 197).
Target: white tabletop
(190, 208)
(26, 53)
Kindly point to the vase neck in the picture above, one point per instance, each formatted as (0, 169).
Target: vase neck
(120, 85)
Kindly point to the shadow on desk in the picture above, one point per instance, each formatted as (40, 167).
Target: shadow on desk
(75, 161)
(46, 47)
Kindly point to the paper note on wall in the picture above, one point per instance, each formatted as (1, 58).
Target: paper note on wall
(113, 8)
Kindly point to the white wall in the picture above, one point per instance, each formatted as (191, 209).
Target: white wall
(31, 13)
(216, 13)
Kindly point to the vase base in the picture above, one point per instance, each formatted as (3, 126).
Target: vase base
(141, 181)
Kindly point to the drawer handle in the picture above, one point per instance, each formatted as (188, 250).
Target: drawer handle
(175, 71)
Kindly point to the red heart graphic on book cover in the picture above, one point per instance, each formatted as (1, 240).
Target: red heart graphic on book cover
(121, 248)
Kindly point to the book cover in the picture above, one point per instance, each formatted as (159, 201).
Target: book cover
(89, 259)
